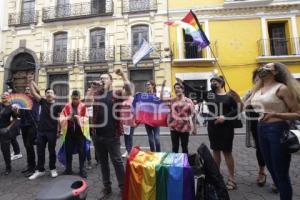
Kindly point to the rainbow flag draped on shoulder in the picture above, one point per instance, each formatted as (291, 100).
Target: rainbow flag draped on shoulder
(150, 110)
(84, 125)
(191, 26)
(158, 176)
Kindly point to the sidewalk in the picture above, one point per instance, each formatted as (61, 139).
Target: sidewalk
(16, 187)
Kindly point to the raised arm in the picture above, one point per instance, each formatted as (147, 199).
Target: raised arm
(34, 92)
(127, 87)
(162, 98)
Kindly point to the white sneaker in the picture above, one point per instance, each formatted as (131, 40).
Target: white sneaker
(17, 156)
(53, 173)
(125, 154)
(36, 175)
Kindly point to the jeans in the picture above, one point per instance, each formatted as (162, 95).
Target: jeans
(153, 137)
(259, 156)
(42, 139)
(176, 137)
(110, 146)
(128, 140)
(29, 135)
(74, 139)
(5, 141)
(276, 157)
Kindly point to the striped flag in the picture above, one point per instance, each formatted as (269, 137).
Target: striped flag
(143, 51)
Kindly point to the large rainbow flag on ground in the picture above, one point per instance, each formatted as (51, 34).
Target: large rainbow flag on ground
(150, 110)
(192, 27)
(84, 125)
(160, 176)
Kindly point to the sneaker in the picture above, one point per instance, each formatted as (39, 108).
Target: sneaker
(17, 156)
(7, 171)
(29, 173)
(89, 165)
(36, 174)
(105, 193)
(125, 154)
(83, 174)
(53, 173)
(68, 172)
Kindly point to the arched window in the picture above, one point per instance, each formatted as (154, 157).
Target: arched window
(60, 47)
(97, 44)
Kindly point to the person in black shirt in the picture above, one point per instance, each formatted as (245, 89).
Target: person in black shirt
(47, 131)
(223, 110)
(28, 125)
(108, 127)
(6, 113)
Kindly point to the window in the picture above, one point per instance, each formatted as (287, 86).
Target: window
(278, 40)
(27, 14)
(98, 6)
(140, 78)
(191, 50)
(97, 45)
(198, 84)
(139, 5)
(138, 33)
(60, 84)
(60, 48)
(63, 8)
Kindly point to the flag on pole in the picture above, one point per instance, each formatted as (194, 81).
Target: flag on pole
(143, 51)
(192, 27)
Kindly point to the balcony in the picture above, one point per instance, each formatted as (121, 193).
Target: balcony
(96, 55)
(23, 18)
(127, 52)
(192, 54)
(278, 49)
(78, 11)
(137, 6)
(57, 57)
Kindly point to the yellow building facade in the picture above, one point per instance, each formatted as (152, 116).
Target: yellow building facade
(243, 36)
(69, 43)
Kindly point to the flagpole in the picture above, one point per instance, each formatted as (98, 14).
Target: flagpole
(199, 25)
(212, 52)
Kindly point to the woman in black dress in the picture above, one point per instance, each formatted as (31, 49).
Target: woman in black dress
(223, 109)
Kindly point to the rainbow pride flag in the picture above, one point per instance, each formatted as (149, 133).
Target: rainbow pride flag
(150, 110)
(22, 101)
(160, 176)
(191, 26)
(84, 125)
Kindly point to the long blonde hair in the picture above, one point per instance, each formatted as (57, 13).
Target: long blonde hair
(285, 77)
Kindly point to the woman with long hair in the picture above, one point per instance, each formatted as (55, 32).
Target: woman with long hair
(152, 132)
(251, 126)
(276, 97)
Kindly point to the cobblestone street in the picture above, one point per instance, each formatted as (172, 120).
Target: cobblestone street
(17, 187)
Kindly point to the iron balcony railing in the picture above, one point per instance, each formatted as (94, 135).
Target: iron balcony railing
(57, 57)
(278, 46)
(134, 6)
(190, 50)
(23, 18)
(77, 11)
(96, 55)
(127, 51)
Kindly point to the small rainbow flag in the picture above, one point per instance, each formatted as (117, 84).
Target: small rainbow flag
(22, 101)
(158, 176)
(192, 27)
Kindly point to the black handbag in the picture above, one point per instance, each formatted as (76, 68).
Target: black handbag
(237, 123)
(291, 139)
(4, 131)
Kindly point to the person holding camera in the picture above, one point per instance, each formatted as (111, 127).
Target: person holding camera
(6, 113)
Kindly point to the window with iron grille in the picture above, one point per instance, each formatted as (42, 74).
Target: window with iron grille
(191, 50)
(97, 45)
(27, 13)
(60, 48)
(138, 33)
(278, 39)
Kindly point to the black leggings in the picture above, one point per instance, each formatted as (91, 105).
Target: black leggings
(176, 137)
(259, 156)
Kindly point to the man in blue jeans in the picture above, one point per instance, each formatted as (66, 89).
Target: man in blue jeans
(47, 131)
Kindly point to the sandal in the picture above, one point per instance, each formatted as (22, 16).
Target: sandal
(261, 179)
(231, 185)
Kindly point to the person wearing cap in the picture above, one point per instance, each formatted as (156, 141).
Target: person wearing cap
(223, 110)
